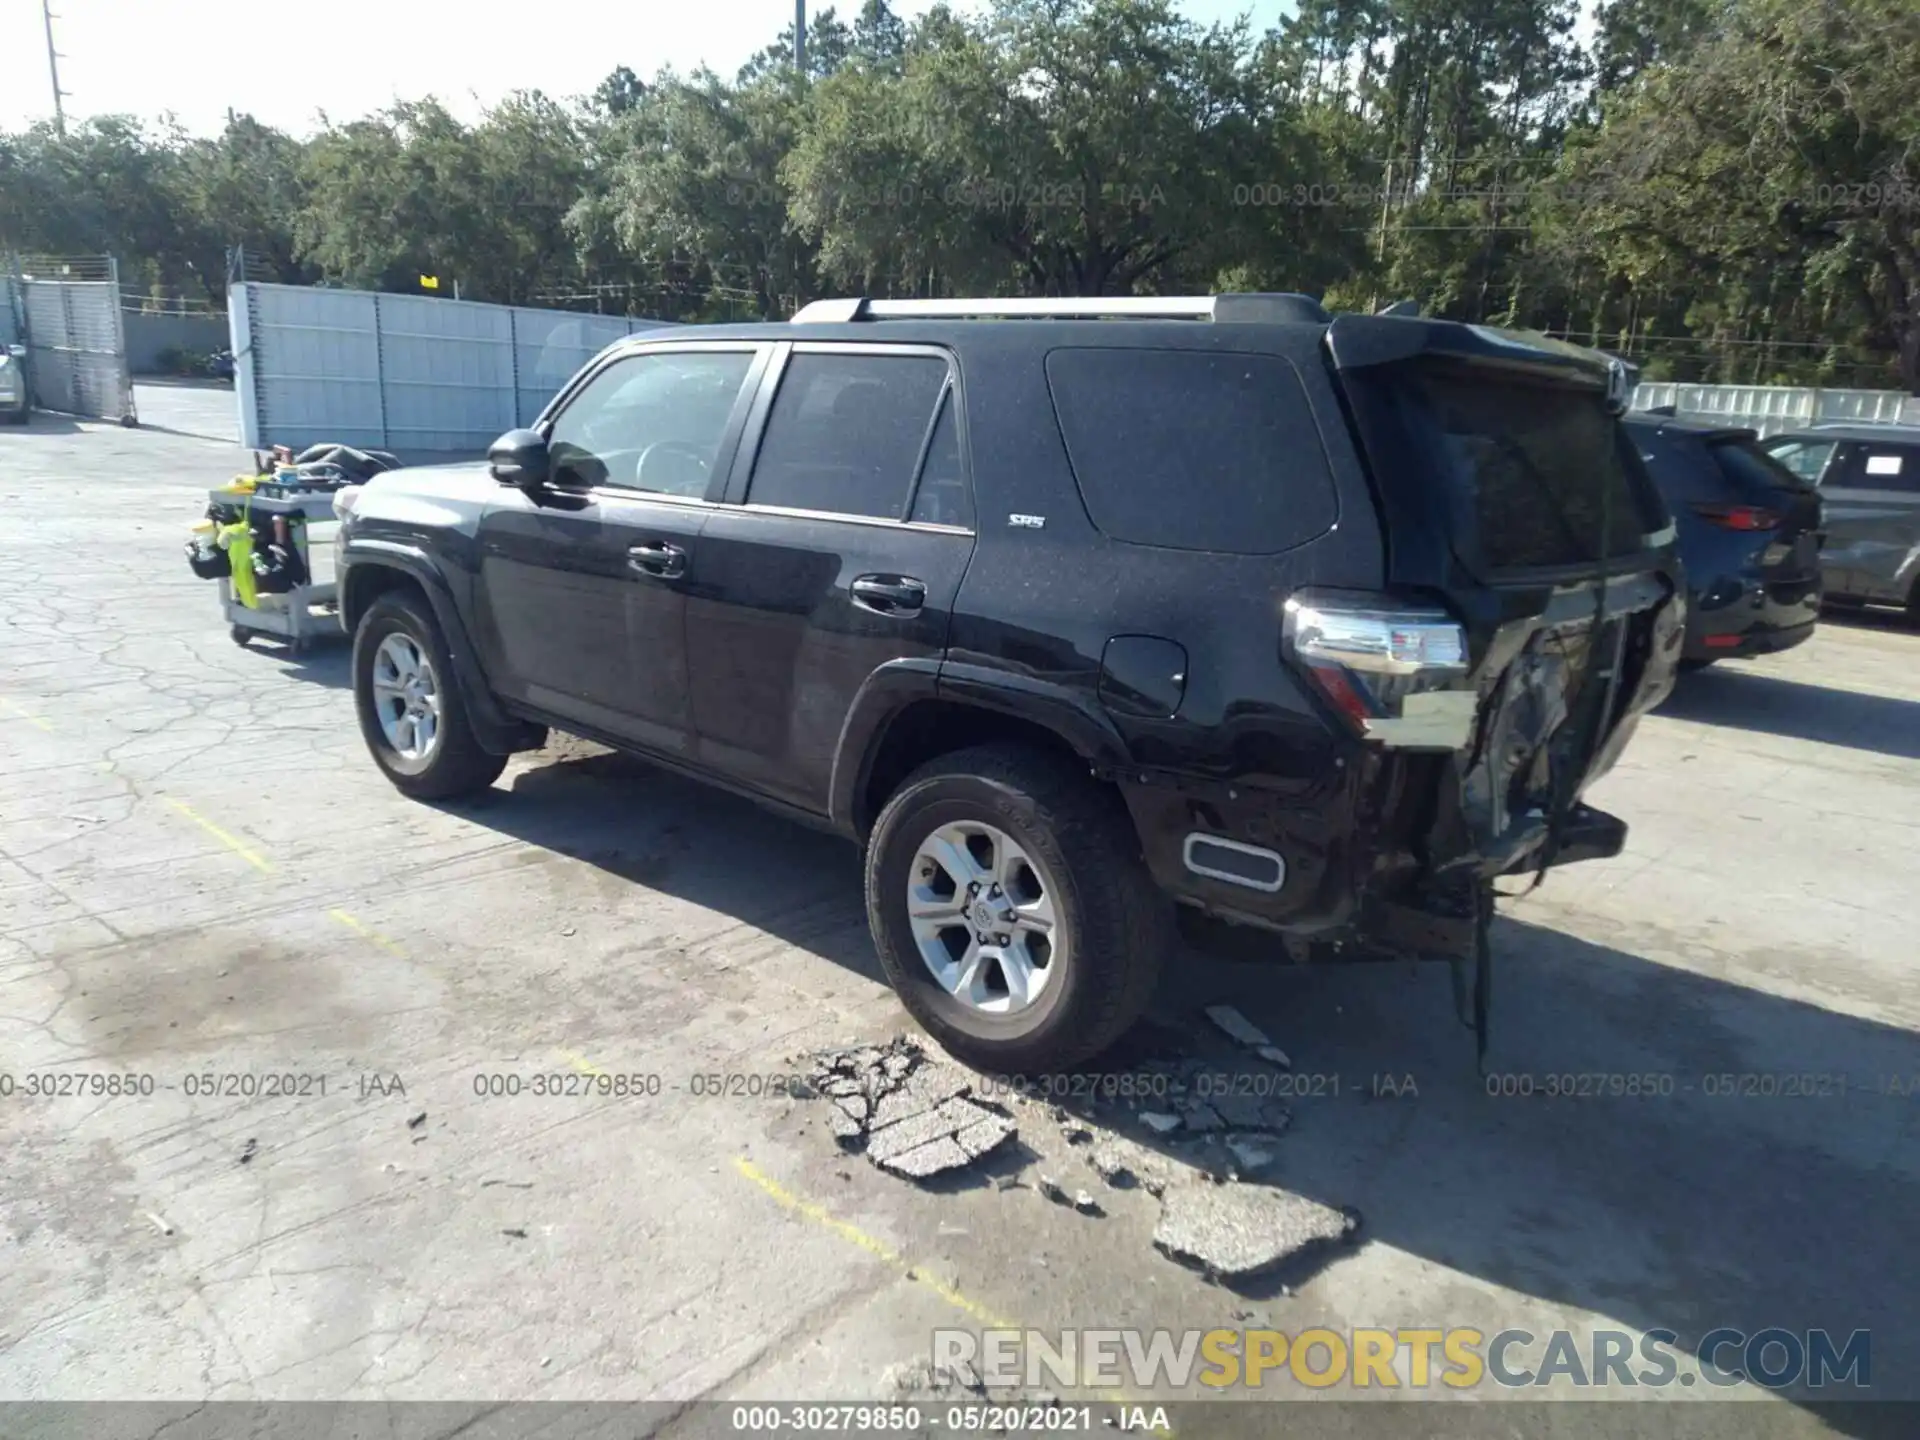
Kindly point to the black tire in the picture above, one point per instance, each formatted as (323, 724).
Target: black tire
(1118, 924)
(240, 635)
(1692, 666)
(457, 765)
(16, 417)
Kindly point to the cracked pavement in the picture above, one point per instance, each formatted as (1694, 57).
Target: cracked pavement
(201, 876)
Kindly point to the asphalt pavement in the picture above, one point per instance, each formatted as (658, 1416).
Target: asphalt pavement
(202, 877)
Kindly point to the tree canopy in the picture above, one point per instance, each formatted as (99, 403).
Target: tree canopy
(1723, 189)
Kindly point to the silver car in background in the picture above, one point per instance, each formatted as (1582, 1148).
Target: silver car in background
(1869, 481)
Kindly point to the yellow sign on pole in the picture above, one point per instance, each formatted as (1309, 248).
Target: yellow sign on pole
(429, 282)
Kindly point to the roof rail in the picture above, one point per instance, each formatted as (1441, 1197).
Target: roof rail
(1226, 309)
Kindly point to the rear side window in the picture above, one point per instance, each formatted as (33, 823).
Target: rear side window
(1193, 450)
(1539, 464)
(846, 433)
(1882, 467)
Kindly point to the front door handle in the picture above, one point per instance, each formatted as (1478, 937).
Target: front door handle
(660, 562)
(890, 594)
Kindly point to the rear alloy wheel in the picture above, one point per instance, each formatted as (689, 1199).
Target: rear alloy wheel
(984, 918)
(412, 714)
(1012, 909)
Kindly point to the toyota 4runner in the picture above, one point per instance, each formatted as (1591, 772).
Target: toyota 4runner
(1078, 615)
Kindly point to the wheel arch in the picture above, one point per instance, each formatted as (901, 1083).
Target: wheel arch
(910, 712)
(373, 568)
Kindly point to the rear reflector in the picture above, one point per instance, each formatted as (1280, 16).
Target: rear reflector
(1237, 864)
(1737, 517)
(1720, 642)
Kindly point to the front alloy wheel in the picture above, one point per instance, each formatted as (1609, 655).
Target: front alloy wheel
(406, 697)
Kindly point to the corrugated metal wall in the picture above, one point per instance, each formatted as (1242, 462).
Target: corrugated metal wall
(1773, 408)
(408, 373)
(76, 351)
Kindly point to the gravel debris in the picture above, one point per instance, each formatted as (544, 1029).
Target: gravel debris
(1274, 1055)
(1251, 1152)
(1159, 1121)
(1241, 1112)
(1238, 1026)
(1237, 1231)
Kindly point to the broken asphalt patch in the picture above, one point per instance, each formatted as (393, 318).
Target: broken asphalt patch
(911, 1115)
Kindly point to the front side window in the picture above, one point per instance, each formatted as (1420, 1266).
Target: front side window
(846, 433)
(650, 422)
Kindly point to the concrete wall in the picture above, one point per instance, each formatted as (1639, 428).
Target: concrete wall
(148, 335)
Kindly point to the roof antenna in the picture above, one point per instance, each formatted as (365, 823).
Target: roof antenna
(1410, 308)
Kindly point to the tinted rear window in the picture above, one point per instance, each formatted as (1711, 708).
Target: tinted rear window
(1194, 450)
(1753, 473)
(1681, 467)
(1538, 463)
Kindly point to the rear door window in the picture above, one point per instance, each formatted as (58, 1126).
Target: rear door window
(846, 433)
(1193, 449)
(1541, 466)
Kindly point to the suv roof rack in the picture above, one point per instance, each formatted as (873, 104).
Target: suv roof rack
(1241, 309)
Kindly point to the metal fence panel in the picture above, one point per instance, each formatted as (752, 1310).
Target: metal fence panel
(1773, 408)
(446, 372)
(550, 346)
(76, 352)
(315, 369)
(413, 374)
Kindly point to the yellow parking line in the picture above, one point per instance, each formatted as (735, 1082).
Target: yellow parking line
(367, 932)
(20, 713)
(879, 1249)
(584, 1066)
(252, 857)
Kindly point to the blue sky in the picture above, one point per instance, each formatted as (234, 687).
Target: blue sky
(285, 63)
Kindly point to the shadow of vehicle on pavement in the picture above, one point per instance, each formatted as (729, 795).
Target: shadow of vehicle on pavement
(1772, 705)
(1766, 1176)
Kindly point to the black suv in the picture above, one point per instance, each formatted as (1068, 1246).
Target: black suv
(1065, 610)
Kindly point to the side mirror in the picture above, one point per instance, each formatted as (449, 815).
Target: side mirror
(520, 458)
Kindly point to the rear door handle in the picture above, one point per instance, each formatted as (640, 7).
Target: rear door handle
(660, 562)
(889, 594)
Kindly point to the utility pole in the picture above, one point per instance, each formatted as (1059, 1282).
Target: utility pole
(53, 70)
(799, 37)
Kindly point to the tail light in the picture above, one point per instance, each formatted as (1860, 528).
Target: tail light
(1738, 517)
(1396, 673)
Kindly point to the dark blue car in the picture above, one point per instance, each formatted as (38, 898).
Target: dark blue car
(1749, 532)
